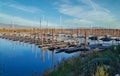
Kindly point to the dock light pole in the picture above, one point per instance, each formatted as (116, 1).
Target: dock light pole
(53, 38)
(85, 42)
(91, 29)
(77, 32)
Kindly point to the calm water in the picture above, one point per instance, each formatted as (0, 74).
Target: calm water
(20, 59)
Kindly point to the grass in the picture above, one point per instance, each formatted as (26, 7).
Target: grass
(107, 62)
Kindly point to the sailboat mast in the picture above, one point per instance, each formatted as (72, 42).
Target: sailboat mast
(46, 31)
(42, 30)
(60, 25)
(91, 28)
(47, 28)
(12, 26)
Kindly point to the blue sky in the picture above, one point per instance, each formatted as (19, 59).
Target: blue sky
(73, 13)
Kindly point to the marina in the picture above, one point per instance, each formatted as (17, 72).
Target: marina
(59, 38)
(65, 42)
(46, 50)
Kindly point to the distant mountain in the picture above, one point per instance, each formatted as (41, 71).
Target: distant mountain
(10, 25)
(23, 26)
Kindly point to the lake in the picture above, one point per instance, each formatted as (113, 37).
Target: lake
(23, 59)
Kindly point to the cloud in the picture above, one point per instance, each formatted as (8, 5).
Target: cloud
(78, 22)
(24, 8)
(5, 18)
(89, 13)
(15, 5)
(89, 3)
(70, 10)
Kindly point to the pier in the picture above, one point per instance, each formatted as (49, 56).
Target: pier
(64, 40)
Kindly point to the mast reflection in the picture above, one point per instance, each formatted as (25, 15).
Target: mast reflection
(13, 45)
(42, 55)
(32, 48)
(48, 54)
(23, 43)
(35, 51)
(53, 60)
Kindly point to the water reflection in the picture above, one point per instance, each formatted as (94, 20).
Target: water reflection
(32, 47)
(60, 58)
(52, 60)
(42, 55)
(23, 43)
(35, 51)
(26, 44)
(48, 53)
(22, 59)
(13, 45)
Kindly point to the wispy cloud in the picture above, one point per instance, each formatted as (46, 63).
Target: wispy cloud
(75, 23)
(6, 18)
(89, 3)
(25, 8)
(16, 5)
(90, 11)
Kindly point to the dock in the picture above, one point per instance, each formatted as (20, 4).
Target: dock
(54, 39)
